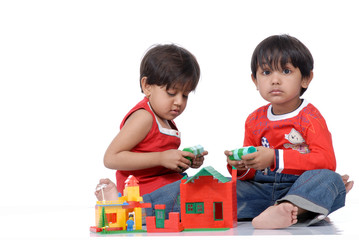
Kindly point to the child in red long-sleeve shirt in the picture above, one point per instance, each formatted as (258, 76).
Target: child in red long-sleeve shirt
(291, 178)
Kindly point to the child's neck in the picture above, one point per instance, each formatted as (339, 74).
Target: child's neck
(280, 109)
(164, 123)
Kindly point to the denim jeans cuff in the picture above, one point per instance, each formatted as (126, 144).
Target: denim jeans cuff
(319, 212)
(304, 204)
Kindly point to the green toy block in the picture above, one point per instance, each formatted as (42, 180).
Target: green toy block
(240, 152)
(196, 150)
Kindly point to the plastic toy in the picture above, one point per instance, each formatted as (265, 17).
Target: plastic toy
(196, 150)
(130, 223)
(157, 223)
(114, 215)
(240, 152)
(208, 202)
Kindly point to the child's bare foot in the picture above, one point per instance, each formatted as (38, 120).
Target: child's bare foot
(278, 216)
(348, 185)
(106, 190)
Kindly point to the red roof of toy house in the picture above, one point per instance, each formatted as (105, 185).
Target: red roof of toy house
(131, 181)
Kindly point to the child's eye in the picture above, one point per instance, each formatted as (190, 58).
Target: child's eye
(286, 71)
(266, 72)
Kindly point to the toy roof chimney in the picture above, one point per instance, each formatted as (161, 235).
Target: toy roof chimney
(131, 181)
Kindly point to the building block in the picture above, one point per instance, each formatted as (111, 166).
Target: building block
(172, 224)
(114, 229)
(112, 215)
(196, 150)
(95, 229)
(208, 200)
(240, 152)
(160, 216)
(129, 224)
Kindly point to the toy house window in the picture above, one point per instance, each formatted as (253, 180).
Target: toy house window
(197, 207)
(111, 217)
(218, 210)
(189, 208)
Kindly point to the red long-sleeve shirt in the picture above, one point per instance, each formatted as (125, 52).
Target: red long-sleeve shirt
(301, 139)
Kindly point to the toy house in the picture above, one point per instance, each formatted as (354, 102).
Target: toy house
(113, 215)
(209, 200)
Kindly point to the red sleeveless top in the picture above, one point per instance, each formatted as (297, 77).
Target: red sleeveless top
(158, 139)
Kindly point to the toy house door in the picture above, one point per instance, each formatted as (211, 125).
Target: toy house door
(218, 211)
(160, 218)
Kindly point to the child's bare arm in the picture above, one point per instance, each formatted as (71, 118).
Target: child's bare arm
(137, 126)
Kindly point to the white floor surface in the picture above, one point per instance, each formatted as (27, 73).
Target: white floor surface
(74, 222)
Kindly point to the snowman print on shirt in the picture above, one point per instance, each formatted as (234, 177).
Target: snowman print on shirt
(297, 142)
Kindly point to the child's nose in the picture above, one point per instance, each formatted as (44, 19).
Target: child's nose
(179, 100)
(276, 79)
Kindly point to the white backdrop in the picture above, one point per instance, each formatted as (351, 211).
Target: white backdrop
(69, 72)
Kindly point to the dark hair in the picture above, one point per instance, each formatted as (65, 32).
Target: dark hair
(169, 65)
(278, 50)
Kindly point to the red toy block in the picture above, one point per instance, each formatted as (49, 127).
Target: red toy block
(95, 229)
(114, 229)
(160, 206)
(171, 225)
(131, 181)
(132, 204)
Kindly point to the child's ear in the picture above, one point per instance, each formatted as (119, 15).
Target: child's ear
(146, 88)
(306, 81)
(254, 81)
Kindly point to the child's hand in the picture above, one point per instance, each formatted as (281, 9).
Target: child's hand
(175, 160)
(263, 158)
(239, 165)
(198, 160)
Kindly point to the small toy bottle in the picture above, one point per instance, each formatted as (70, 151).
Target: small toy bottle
(239, 152)
(196, 150)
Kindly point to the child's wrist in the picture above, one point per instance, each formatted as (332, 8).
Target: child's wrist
(159, 159)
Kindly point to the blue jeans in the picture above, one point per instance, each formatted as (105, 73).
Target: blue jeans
(318, 191)
(168, 195)
(321, 192)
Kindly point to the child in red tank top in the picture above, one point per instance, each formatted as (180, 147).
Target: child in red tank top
(147, 144)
